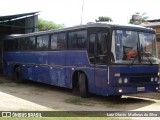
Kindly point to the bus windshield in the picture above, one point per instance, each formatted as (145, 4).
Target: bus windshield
(131, 47)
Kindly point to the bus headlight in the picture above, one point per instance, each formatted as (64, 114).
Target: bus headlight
(120, 80)
(125, 80)
(156, 79)
(152, 79)
(158, 73)
(157, 88)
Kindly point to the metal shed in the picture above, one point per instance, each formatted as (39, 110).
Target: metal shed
(19, 23)
(16, 24)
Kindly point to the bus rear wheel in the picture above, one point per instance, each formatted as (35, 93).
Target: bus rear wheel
(83, 87)
(18, 75)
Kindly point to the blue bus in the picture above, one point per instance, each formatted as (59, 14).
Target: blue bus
(99, 58)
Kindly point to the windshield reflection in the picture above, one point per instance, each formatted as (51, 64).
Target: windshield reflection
(130, 47)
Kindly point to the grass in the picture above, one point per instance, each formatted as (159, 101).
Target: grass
(92, 102)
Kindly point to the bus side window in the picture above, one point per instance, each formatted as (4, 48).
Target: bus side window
(77, 39)
(42, 42)
(91, 49)
(8, 45)
(16, 46)
(11, 45)
(53, 42)
(5, 45)
(39, 42)
(45, 42)
(31, 43)
(61, 41)
(21, 44)
(26, 46)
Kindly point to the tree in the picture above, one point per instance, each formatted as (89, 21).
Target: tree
(103, 19)
(47, 25)
(142, 20)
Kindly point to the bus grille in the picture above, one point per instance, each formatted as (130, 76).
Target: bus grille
(140, 79)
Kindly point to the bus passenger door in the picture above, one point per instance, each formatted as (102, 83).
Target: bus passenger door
(98, 57)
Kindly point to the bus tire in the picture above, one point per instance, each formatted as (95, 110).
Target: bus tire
(75, 90)
(18, 75)
(83, 88)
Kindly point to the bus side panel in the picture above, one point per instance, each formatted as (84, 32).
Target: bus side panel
(68, 80)
(57, 71)
(29, 72)
(55, 68)
(41, 74)
(40, 67)
(27, 65)
(8, 64)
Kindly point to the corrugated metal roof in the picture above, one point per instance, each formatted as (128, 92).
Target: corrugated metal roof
(11, 17)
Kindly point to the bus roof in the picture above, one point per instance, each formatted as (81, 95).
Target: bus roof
(89, 25)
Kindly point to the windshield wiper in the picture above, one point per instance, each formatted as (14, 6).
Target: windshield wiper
(133, 60)
(137, 56)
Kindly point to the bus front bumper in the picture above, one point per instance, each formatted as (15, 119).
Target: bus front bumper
(122, 90)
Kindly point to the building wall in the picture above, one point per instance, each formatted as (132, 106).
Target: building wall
(21, 25)
(157, 30)
(158, 40)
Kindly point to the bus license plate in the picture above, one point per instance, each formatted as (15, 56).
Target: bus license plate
(140, 88)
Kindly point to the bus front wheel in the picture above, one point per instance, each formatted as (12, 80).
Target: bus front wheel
(83, 88)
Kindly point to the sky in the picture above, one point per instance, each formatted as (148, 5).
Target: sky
(68, 12)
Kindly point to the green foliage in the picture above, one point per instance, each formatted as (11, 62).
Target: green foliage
(47, 25)
(103, 19)
(143, 19)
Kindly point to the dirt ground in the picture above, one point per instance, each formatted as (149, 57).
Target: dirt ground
(41, 97)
